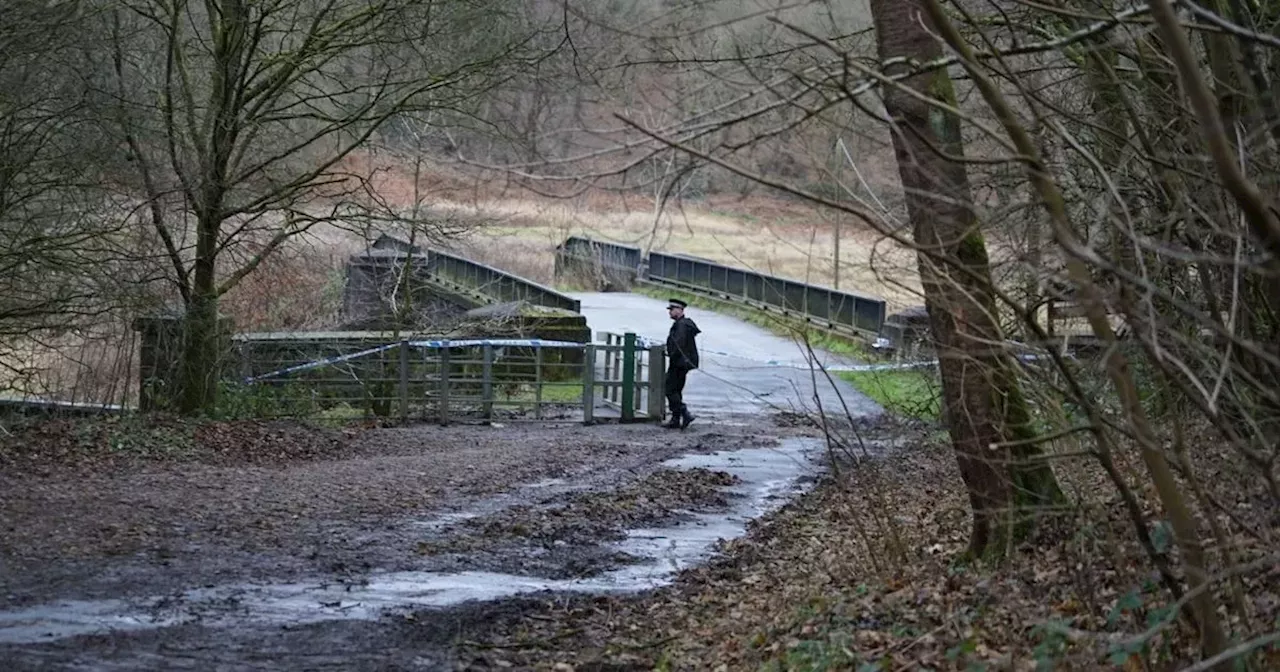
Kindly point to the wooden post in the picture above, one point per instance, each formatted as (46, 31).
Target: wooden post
(588, 384)
(404, 380)
(657, 382)
(537, 382)
(424, 367)
(608, 364)
(444, 383)
(246, 360)
(486, 382)
(628, 377)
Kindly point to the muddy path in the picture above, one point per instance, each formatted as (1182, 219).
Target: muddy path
(380, 556)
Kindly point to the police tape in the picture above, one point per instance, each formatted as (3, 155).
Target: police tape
(318, 363)
(836, 367)
(645, 342)
(337, 359)
(499, 342)
(886, 366)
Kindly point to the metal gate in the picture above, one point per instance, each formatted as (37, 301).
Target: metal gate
(488, 379)
(630, 372)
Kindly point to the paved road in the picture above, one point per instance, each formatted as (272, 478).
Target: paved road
(745, 369)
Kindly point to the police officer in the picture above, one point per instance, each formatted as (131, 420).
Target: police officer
(682, 357)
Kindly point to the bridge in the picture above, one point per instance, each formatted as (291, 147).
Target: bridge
(611, 265)
(537, 371)
(745, 368)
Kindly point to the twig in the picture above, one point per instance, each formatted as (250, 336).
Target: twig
(527, 644)
(1238, 649)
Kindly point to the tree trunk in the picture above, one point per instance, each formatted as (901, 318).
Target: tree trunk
(1118, 368)
(201, 353)
(984, 406)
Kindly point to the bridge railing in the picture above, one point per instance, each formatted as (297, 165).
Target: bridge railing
(495, 283)
(836, 309)
(839, 309)
(616, 264)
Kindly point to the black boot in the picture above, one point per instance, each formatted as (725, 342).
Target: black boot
(677, 410)
(686, 417)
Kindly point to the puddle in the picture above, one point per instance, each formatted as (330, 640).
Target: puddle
(769, 477)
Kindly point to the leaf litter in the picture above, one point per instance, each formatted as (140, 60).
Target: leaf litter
(864, 572)
(867, 572)
(590, 517)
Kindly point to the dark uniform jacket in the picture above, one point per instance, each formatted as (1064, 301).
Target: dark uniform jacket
(681, 348)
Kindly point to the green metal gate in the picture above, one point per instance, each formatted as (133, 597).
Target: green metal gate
(629, 375)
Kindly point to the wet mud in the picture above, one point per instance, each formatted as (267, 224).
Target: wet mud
(407, 588)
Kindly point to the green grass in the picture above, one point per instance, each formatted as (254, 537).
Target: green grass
(568, 392)
(819, 339)
(561, 393)
(341, 415)
(915, 393)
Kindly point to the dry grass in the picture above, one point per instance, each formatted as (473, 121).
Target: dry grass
(780, 237)
(297, 288)
(95, 365)
(300, 286)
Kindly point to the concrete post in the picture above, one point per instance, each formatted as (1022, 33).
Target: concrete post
(657, 382)
(588, 384)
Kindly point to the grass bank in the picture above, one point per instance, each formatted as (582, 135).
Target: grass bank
(914, 393)
(818, 338)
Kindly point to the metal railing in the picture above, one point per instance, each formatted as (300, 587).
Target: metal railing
(448, 381)
(629, 361)
(474, 277)
(832, 308)
(615, 264)
(494, 283)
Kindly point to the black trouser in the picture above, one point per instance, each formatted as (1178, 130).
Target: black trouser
(674, 389)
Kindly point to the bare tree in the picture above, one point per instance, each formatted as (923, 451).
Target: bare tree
(983, 401)
(1141, 145)
(240, 115)
(66, 266)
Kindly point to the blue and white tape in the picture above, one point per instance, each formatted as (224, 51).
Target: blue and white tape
(538, 343)
(885, 366)
(318, 363)
(500, 342)
(503, 343)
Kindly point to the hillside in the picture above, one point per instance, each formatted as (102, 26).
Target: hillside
(518, 230)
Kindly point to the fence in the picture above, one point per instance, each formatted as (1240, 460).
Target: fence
(628, 359)
(496, 284)
(610, 264)
(834, 309)
(488, 379)
(475, 277)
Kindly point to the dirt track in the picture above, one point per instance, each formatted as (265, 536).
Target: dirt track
(538, 501)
